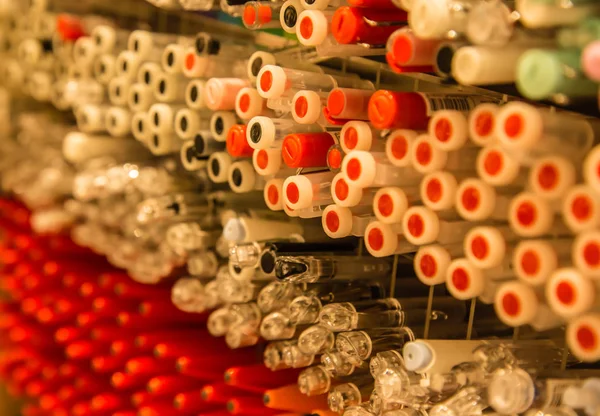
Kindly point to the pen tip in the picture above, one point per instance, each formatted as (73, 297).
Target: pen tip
(266, 399)
(231, 406)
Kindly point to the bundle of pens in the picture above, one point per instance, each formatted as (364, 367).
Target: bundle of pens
(178, 271)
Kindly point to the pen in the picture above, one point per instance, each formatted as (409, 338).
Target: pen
(409, 53)
(302, 191)
(570, 294)
(518, 304)
(465, 281)
(532, 216)
(249, 104)
(478, 201)
(359, 135)
(552, 176)
(426, 157)
(194, 94)
(208, 66)
(369, 26)
(390, 203)
(220, 124)
(481, 124)
(346, 195)
(223, 46)
(288, 17)
(372, 169)
(118, 122)
(260, 15)
(384, 240)
(537, 15)
(274, 81)
(140, 97)
(188, 122)
(585, 252)
(432, 261)
(273, 194)
(170, 88)
(582, 337)
(499, 168)
(118, 91)
(306, 108)
(535, 260)
(423, 226)
(104, 68)
(344, 395)
(265, 132)
(580, 208)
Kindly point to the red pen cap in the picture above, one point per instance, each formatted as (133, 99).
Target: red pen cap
(237, 144)
(350, 25)
(334, 158)
(191, 402)
(125, 381)
(249, 406)
(306, 150)
(402, 110)
(109, 401)
(85, 349)
(259, 375)
(70, 28)
(348, 103)
(107, 363)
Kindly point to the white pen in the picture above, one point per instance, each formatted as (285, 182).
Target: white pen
(530, 132)
(242, 177)
(269, 162)
(398, 147)
(570, 294)
(218, 166)
(532, 216)
(535, 260)
(499, 168)
(384, 240)
(464, 281)
(209, 66)
(432, 261)
(118, 91)
(421, 225)
(537, 15)
(302, 191)
(478, 201)
(438, 190)
(313, 26)
(189, 122)
(481, 124)
(518, 304)
(340, 222)
(140, 127)
(147, 44)
(581, 208)
(586, 253)
(191, 159)
(105, 68)
(583, 337)
(141, 97)
(173, 56)
(249, 104)
(118, 121)
(128, 64)
(373, 169)
(288, 17)
(194, 94)
(391, 202)
(91, 118)
(360, 135)
(109, 39)
(170, 88)
(307, 107)
(552, 176)
(347, 195)
(148, 73)
(210, 44)
(221, 93)
(426, 157)
(449, 128)
(220, 124)
(274, 81)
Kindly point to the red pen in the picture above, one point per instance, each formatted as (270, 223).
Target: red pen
(125, 381)
(171, 384)
(107, 363)
(221, 393)
(149, 365)
(498, 168)
(124, 347)
(152, 337)
(107, 402)
(159, 408)
(259, 375)
(80, 350)
(306, 150)
(249, 406)
(192, 402)
(179, 349)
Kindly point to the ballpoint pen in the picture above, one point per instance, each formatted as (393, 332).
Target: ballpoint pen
(285, 354)
(340, 222)
(426, 157)
(264, 132)
(532, 216)
(487, 246)
(359, 346)
(465, 281)
(359, 135)
(479, 201)
(346, 195)
(582, 336)
(390, 203)
(408, 53)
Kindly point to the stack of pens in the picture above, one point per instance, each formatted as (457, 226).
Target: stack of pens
(223, 229)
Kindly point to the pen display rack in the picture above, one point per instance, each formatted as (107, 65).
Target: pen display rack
(347, 209)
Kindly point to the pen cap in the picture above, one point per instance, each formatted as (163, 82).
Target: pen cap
(306, 150)
(194, 94)
(390, 203)
(267, 162)
(220, 93)
(84, 50)
(581, 208)
(218, 166)
(118, 121)
(534, 261)
(250, 229)
(541, 74)
(381, 239)
(141, 97)
(463, 280)
(257, 60)
(449, 129)
(148, 74)
(481, 123)
(249, 103)
(530, 215)
(337, 221)
(344, 194)
(438, 190)
(173, 58)
(431, 263)
(104, 68)
(237, 145)
(583, 337)
(516, 303)
(306, 107)
(314, 381)
(127, 65)
(398, 147)
(273, 194)
(485, 246)
(475, 200)
(242, 177)
(288, 15)
(299, 191)
(421, 225)
(403, 110)
(188, 122)
(357, 135)
(352, 24)
(140, 126)
(586, 253)
(552, 176)
(334, 158)
(426, 157)
(118, 91)
(407, 49)
(497, 167)
(220, 123)
(569, 293)
(313, 27)
(105, 38)
(511, 392)
(349, 103)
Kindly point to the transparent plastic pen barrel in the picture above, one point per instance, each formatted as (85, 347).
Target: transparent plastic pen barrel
(365, 169)
(211, 44)
(265, 132)
(359, 346)
(275, 81)
(340, 222)
(260, 15)
(308, 269)
(302, 191)
(440, 19)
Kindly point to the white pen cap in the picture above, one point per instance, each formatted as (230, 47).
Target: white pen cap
(431, 263)
(569, 293)
(583, 337)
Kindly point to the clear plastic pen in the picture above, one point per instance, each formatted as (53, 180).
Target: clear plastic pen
(498, 167)
(307, 269)
(535, 260)
(285, 354)
(345, 395)
(423, 226)
(373, 169)
(359, 346)
(426, 157)
(384, 240)
(340, 222)
(465, 281)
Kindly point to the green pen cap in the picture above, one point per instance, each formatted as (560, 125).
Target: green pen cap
(544, 73)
